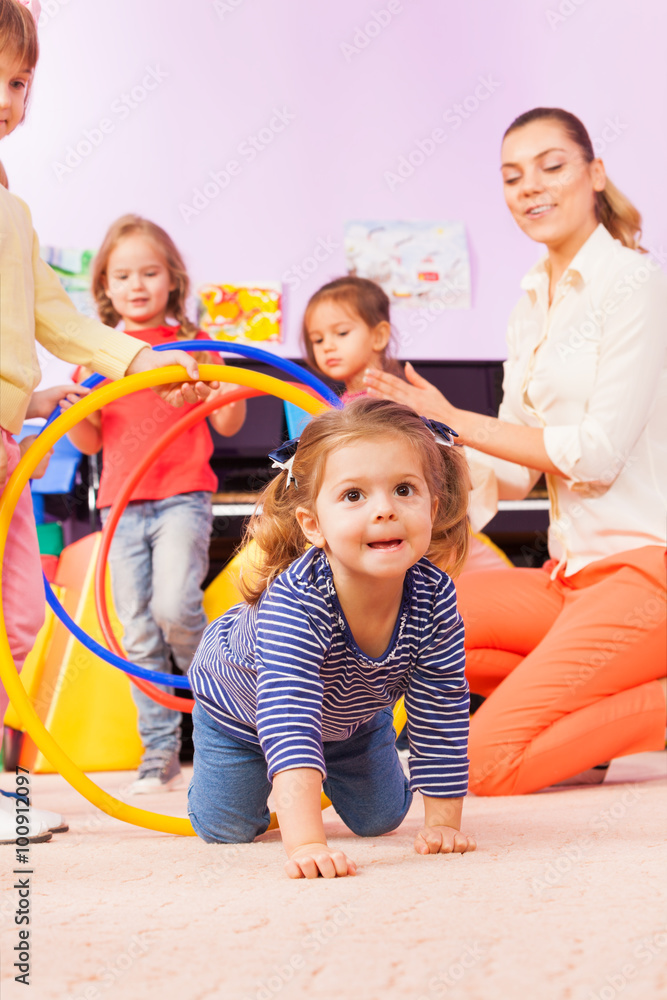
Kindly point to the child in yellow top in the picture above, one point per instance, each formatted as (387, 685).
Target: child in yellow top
(34, 307)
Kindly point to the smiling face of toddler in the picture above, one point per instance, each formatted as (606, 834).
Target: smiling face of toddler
(374, 513)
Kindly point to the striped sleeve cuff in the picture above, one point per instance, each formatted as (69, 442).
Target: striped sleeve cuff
(287, 754)
(440, 779)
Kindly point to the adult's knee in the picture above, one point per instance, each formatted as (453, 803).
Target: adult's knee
(471, 609)
(173, 608)
(493, 771)
(486, 605)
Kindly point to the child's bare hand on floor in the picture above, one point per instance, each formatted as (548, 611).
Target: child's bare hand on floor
(312, 860)
(443, 840)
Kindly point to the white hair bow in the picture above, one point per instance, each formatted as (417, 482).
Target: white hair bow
(283, 458)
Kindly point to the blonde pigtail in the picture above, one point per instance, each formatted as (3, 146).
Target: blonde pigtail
(277, 534)
(450, 539)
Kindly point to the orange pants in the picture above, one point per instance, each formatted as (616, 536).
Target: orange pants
(569, 668)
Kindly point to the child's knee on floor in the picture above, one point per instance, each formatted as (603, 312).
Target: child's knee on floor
(376, 823)
(242, 833)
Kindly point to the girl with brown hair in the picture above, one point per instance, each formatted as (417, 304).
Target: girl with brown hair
(347, 613)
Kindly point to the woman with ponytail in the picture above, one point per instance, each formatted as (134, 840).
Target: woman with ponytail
(571, 657)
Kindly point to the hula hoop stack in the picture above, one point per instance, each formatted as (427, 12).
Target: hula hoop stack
(253, 384)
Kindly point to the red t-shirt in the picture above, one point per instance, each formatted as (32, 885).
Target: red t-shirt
(131, 425)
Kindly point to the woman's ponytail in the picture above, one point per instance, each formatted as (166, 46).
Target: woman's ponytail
(619, 216)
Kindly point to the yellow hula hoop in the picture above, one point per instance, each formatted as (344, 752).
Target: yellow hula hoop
(10, 678)
(8, 672)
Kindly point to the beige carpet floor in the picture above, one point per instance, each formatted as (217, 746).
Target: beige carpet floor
(565, 899)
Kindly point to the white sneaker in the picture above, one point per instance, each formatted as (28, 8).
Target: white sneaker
(51, 821)
(37, 833)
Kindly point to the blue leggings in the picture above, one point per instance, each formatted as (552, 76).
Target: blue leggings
(227, 798)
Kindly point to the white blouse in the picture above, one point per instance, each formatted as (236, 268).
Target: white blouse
(591, 370)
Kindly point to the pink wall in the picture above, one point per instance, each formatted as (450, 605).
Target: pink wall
(219, 71)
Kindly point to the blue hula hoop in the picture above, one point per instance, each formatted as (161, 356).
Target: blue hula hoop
(245, 351)
(254, 353)
(168, 680)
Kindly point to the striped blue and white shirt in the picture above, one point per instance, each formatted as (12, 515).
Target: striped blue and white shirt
(288, 675)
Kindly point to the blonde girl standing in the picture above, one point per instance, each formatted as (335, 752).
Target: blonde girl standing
(159, 555)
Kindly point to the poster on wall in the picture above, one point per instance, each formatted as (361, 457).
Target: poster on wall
(245, 314)
(73, 269)
(418, 264)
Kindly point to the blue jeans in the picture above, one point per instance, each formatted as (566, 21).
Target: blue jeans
(227, 798)
(158, 561)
